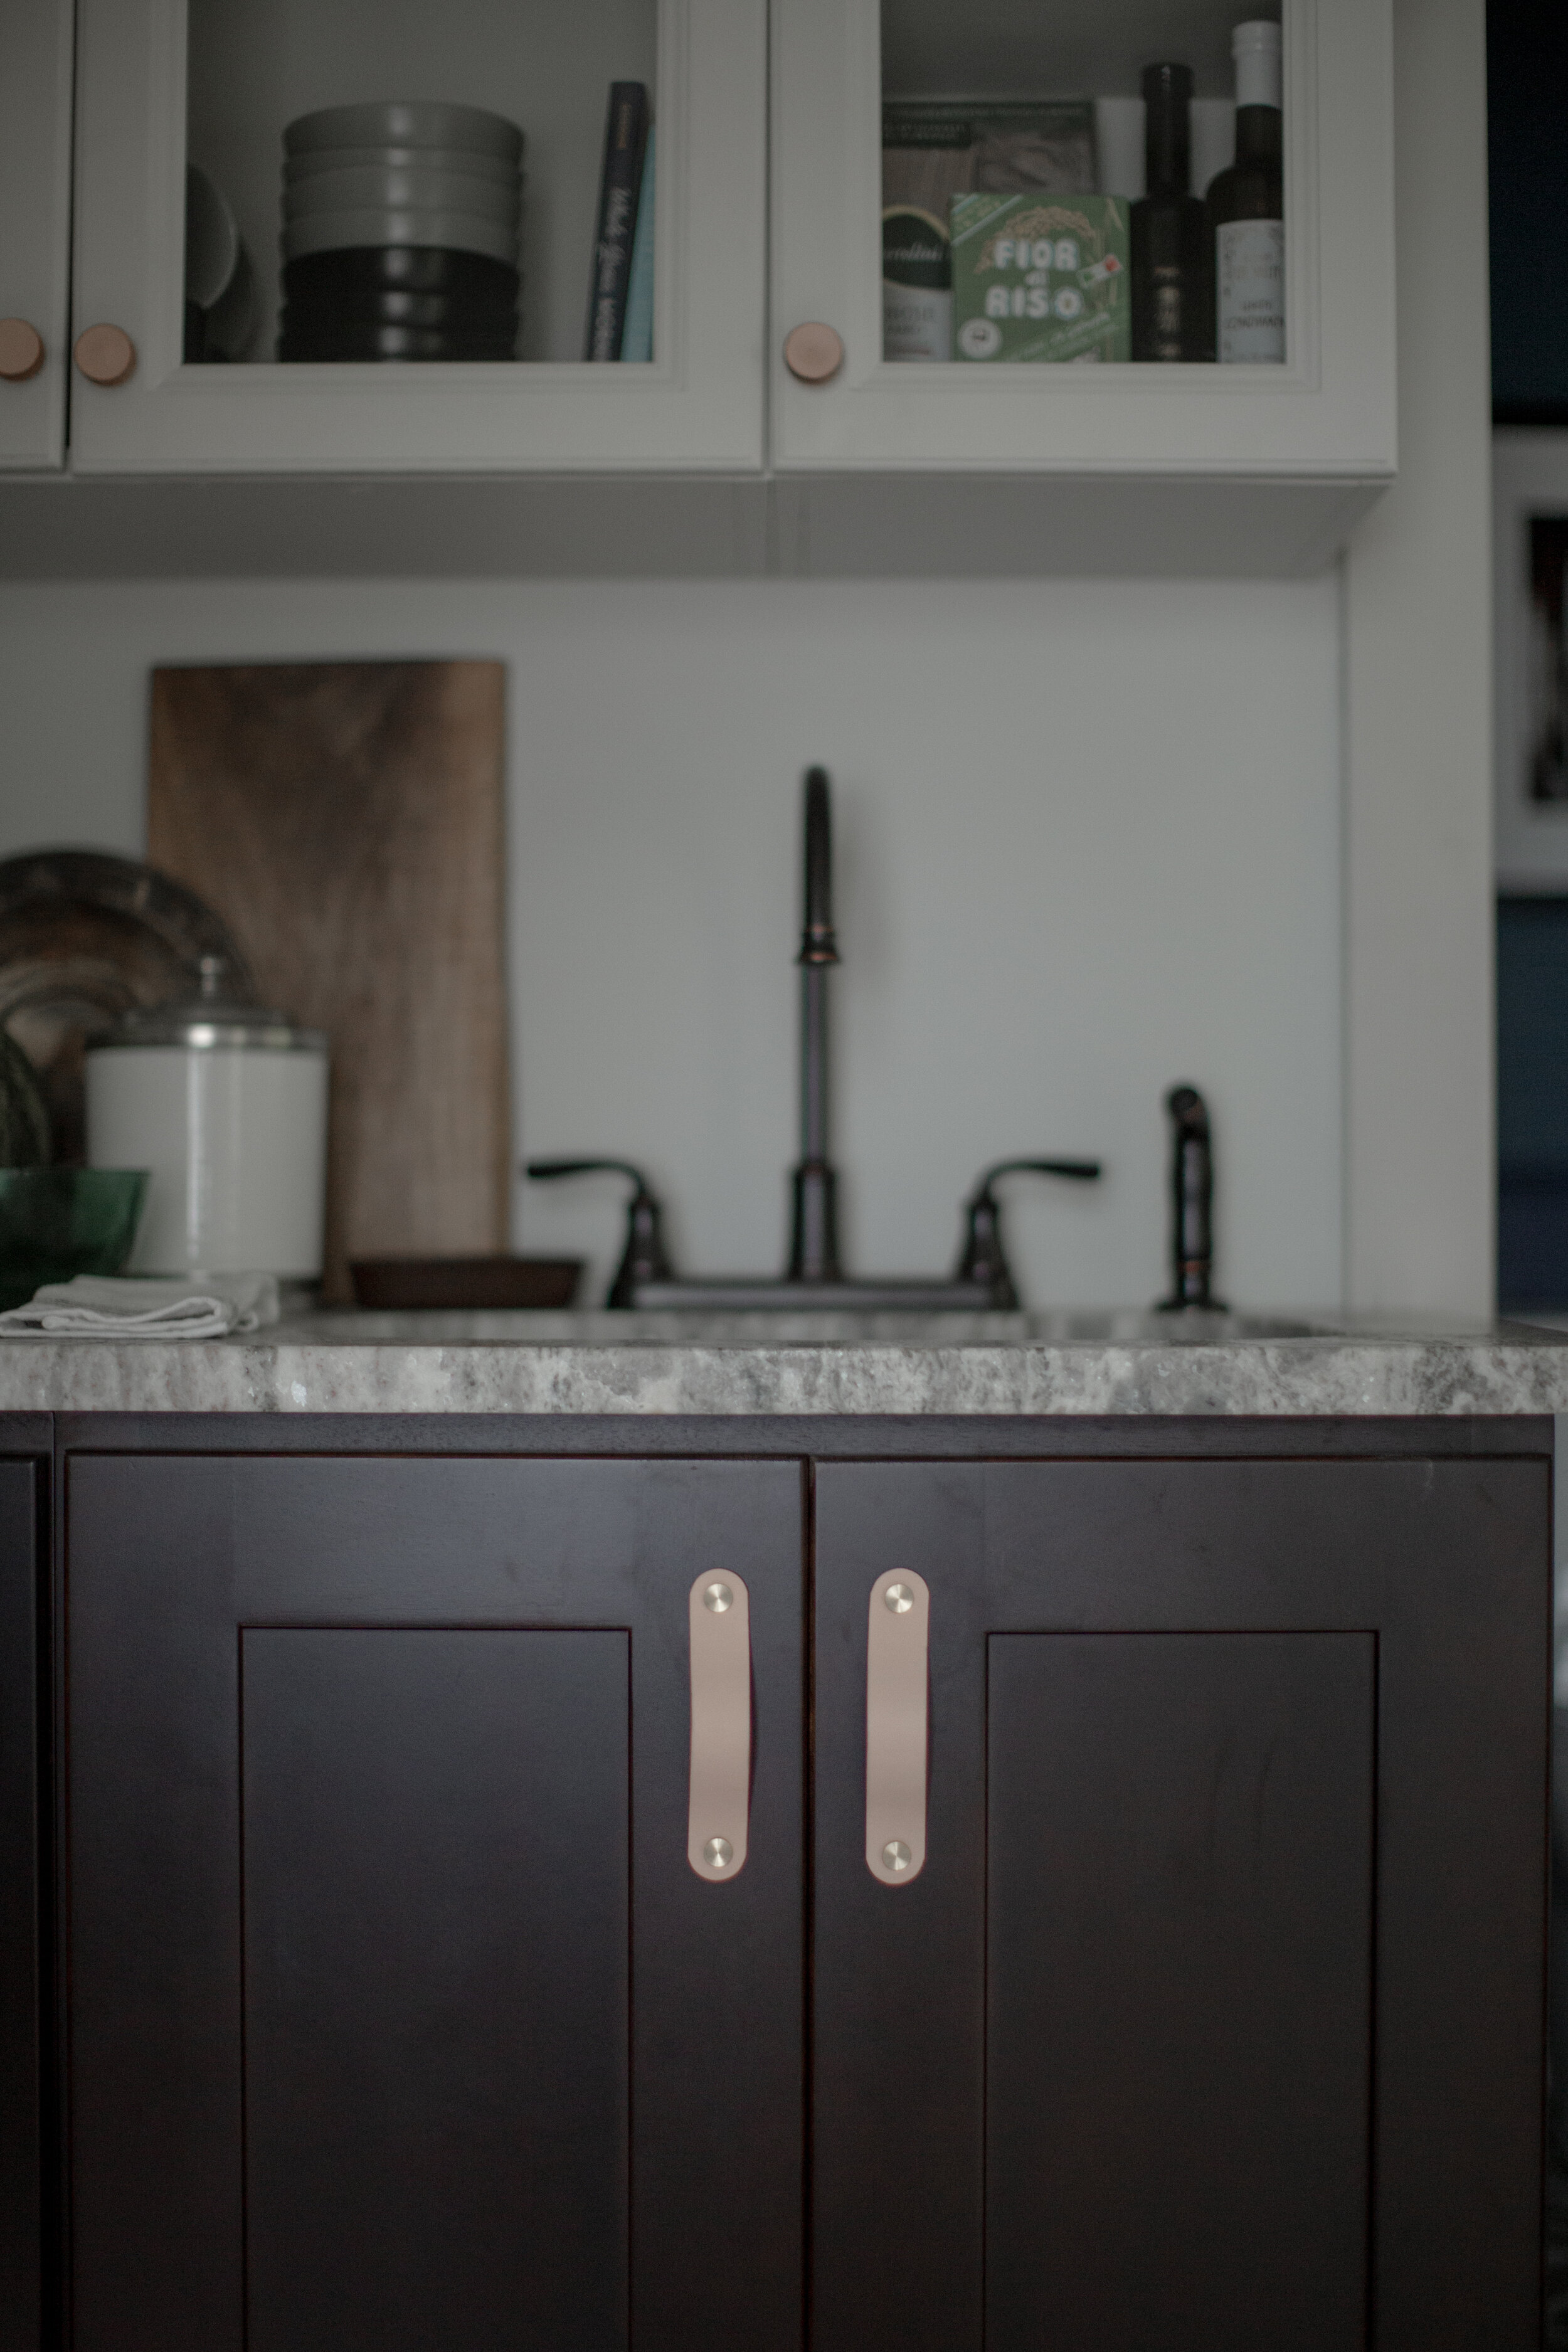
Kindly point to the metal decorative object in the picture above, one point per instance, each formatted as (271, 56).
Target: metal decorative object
(85, 938)
(24, 1140)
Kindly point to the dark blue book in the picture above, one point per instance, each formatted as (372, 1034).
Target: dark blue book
(626, 136)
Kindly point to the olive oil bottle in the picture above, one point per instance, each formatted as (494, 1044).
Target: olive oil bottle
(1173, 242)
(1246, 207)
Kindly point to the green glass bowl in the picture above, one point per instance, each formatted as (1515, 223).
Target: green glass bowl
(58, 1221)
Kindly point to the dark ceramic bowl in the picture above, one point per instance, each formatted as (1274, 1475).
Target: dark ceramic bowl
(392, 343)
(397, 306)
(60, 1221)
(352, 270)
(398, 302)
(465, 1282)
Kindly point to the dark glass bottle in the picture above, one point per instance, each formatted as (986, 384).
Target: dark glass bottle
(1247, 206)
(1173, 243)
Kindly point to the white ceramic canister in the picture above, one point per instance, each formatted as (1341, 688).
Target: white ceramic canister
(226, 1106)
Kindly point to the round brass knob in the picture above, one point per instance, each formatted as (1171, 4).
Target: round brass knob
(21, 351)
(105, 355)
(813, 352)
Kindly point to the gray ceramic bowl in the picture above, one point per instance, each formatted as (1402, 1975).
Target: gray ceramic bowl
(405, 122)
(498, 169)
(401, 191)
(456, 232)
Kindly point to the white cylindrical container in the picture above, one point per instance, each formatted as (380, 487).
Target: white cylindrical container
(226, 1106)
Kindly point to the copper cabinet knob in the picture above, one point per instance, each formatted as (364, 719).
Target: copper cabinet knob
(21, 351)
(813, 352)
(105, 355)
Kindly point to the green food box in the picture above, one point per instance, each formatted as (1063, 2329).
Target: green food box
(1040, 278)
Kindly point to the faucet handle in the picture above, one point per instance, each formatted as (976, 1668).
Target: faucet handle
(982, 1259)
(644, 1258)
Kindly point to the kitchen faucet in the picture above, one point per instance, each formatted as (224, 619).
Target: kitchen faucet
(815, 1275)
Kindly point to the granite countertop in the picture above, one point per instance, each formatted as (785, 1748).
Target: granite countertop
(1065, 1363)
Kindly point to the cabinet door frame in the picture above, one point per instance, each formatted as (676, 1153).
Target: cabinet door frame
(36, 60)
(1447, 1566)
(696, 407)
(1327, 416)
(166, 1559)
(26, 2199)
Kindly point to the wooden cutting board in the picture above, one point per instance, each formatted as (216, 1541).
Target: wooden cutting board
(345, 819)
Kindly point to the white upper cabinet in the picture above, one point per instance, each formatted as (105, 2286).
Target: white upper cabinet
(1322, 418)
(911, 323)
(213, 83)
(34, 229)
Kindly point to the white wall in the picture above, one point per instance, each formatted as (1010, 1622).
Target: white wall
(1421, 1153)
(1090, 844)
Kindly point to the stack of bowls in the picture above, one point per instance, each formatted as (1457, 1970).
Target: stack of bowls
(400, 225)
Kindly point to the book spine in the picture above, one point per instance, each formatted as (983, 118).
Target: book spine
(626, 134)
(636, 337)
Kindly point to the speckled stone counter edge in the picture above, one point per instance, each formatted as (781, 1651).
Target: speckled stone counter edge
(1327, 1377)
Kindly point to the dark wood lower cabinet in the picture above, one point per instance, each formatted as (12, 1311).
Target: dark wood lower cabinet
(25, 2243)
(1212, 2021)
(399, 2019)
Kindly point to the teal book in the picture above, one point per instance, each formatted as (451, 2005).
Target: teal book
(626, 135)
(636, 337)
(1039, 277)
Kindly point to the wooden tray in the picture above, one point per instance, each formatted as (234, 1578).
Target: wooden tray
(404, 1282)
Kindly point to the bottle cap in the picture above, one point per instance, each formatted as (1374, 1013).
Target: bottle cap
(1256, 48)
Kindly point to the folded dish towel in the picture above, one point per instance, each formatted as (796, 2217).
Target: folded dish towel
(103, 1307)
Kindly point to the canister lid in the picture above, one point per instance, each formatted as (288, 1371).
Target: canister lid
(213, 1018)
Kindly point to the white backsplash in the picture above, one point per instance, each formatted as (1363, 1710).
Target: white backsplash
(1088, 843)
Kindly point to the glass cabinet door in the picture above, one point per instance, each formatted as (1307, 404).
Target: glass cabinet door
(332, 235)
(34, 228)
(999, 212)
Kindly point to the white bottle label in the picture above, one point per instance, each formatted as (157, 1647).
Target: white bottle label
(917, 323)
(1251, 291)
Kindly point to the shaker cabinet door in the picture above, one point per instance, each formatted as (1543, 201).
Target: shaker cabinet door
(35, 51)
(1210, 2018)
(399, 2017)
(1111, 462)
(214, 84)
